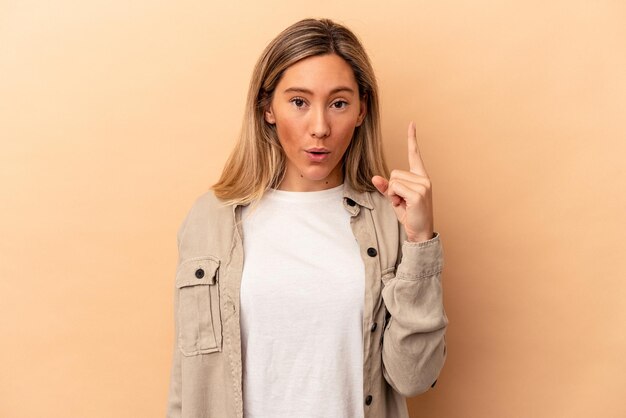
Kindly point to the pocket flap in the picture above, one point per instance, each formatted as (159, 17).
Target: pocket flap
(197, 271)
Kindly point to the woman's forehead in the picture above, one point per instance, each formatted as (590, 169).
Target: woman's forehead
(320, 74)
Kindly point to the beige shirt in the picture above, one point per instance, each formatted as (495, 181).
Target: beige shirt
(404, 321)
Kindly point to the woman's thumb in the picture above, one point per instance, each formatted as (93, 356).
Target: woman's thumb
(380, 183)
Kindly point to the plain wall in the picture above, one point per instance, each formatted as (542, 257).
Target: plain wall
(116, 115)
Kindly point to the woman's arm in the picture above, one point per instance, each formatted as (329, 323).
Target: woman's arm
(174, 399)
(414, 348)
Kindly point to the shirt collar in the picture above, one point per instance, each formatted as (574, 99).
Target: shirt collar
(361, 198)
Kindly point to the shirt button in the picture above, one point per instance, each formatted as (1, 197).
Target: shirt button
(350, 202)
(374, 325)
(372, 252)
(199, 273)
(368, 399)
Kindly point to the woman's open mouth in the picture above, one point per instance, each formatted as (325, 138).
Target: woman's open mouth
(317, 154)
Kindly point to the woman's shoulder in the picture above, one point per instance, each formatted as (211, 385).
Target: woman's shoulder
(208, 215)
(208, 201)
(208, 208)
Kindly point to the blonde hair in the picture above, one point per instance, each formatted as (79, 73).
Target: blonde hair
(257, 162)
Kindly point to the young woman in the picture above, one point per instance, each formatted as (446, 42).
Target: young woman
(309, 279)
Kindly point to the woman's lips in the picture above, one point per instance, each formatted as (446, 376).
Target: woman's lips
(317, 156)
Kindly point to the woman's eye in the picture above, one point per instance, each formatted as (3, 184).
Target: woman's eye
(298, 101)
(340, 104)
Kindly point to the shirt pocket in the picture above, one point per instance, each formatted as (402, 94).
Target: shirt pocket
(198, 317)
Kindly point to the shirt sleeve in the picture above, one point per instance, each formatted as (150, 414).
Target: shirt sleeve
(174, 399)
(414, 347)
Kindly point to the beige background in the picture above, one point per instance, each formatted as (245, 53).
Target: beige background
(115, 115)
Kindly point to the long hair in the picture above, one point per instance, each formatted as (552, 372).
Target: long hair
(257, 162)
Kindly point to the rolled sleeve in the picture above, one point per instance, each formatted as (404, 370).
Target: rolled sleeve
(414, 338)
(421, 259)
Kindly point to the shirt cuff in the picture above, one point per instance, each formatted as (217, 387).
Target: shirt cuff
(421, 259)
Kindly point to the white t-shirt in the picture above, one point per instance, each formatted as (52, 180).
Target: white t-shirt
(302, 294)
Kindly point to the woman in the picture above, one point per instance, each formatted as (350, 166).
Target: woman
(308, 282)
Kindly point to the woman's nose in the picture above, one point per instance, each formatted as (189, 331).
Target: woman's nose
(320, 128)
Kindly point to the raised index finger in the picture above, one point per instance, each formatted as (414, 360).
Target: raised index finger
(416, 165)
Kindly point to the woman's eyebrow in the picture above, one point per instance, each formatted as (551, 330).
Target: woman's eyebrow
(307, 91)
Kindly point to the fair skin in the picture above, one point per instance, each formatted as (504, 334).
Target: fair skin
(410, 193)
(316, 108)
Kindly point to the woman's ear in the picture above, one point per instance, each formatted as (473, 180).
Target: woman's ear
(362, 110)
(269, 115)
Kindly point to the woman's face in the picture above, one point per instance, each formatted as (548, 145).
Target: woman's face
(316, 107)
